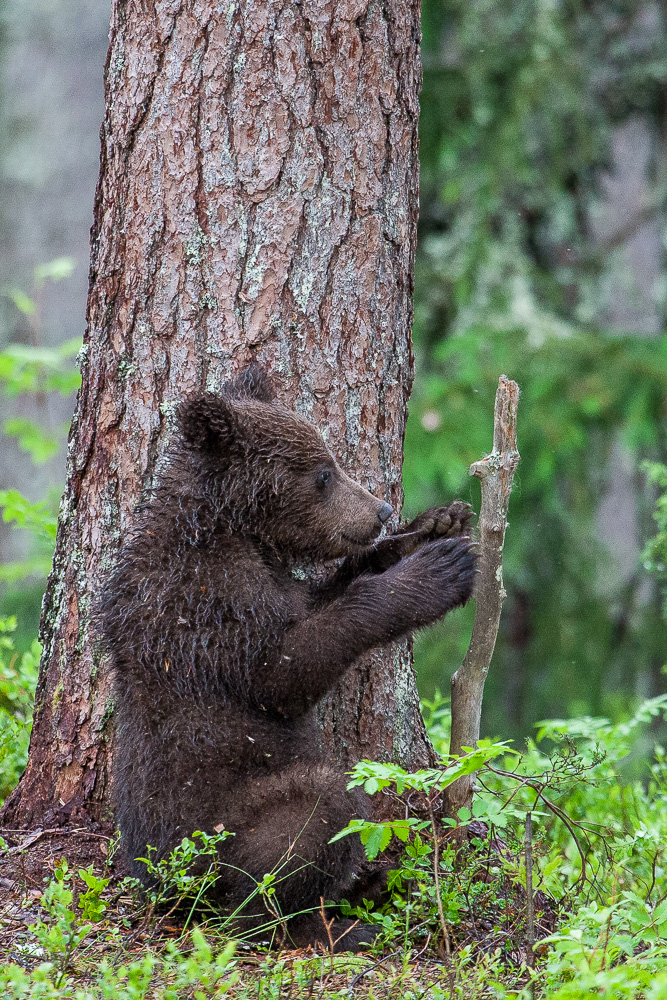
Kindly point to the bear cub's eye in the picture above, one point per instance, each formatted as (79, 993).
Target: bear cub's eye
(323, 478)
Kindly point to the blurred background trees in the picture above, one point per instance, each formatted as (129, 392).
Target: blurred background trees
(542, 256)
(543, 194)
(52, 56)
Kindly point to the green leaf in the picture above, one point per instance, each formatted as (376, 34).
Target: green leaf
(70, 348)
(12, 572)
(23, 302)
(55, 270)
(24, 368)
(32, 439)
(401, 829)
(354, 826)
(34, 517)
(375, 839)
(660, 914)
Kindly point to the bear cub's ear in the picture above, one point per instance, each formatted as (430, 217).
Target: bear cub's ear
(208, 423)
(253, 382)
(211, 423)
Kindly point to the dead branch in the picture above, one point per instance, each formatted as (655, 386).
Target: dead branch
(530, 902)
(496, 473)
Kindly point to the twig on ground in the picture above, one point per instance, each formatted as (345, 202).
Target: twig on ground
(36, 835)
(29, 841)
(371, 968)
(328, 924)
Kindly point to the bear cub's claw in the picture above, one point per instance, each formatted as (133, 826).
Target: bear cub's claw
(452, 521)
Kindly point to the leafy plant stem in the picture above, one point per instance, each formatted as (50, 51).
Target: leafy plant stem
(556, 810)
(436, 878)
(530, 909)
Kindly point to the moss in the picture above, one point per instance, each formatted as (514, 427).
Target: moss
(168, 410)
(84, 621)
(196, 245)
(125, 369)
(57, 695)
(82, 357)
(109, 709)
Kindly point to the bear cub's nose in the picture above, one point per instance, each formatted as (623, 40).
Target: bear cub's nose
(384, 512)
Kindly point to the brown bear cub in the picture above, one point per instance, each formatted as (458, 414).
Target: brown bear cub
(221, 652)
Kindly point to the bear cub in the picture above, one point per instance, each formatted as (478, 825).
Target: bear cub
(220, 653)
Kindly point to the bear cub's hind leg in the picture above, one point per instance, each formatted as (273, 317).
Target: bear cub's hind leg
(294, 816)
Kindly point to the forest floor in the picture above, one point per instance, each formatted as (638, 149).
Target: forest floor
(129, 929)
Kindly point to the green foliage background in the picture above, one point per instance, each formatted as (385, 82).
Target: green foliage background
(519, 107)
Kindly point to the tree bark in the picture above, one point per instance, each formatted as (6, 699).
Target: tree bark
(257, 199)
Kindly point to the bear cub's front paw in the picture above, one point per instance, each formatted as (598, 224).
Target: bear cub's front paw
(452, 521)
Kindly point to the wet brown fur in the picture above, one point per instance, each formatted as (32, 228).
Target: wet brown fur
(220, 652)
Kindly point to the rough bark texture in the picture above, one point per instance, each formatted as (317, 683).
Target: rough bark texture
(496, 473)
(257, 199)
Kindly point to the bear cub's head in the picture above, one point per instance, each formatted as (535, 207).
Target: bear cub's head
(268, 473)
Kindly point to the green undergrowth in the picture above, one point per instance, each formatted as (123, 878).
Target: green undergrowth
(457, 922)
(18, 677)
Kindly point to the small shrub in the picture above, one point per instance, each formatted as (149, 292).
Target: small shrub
(18, 677)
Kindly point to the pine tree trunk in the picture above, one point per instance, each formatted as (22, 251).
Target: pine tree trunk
(257, 199)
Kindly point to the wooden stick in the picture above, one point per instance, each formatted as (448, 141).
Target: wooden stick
(495, 472)
(530, 904)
